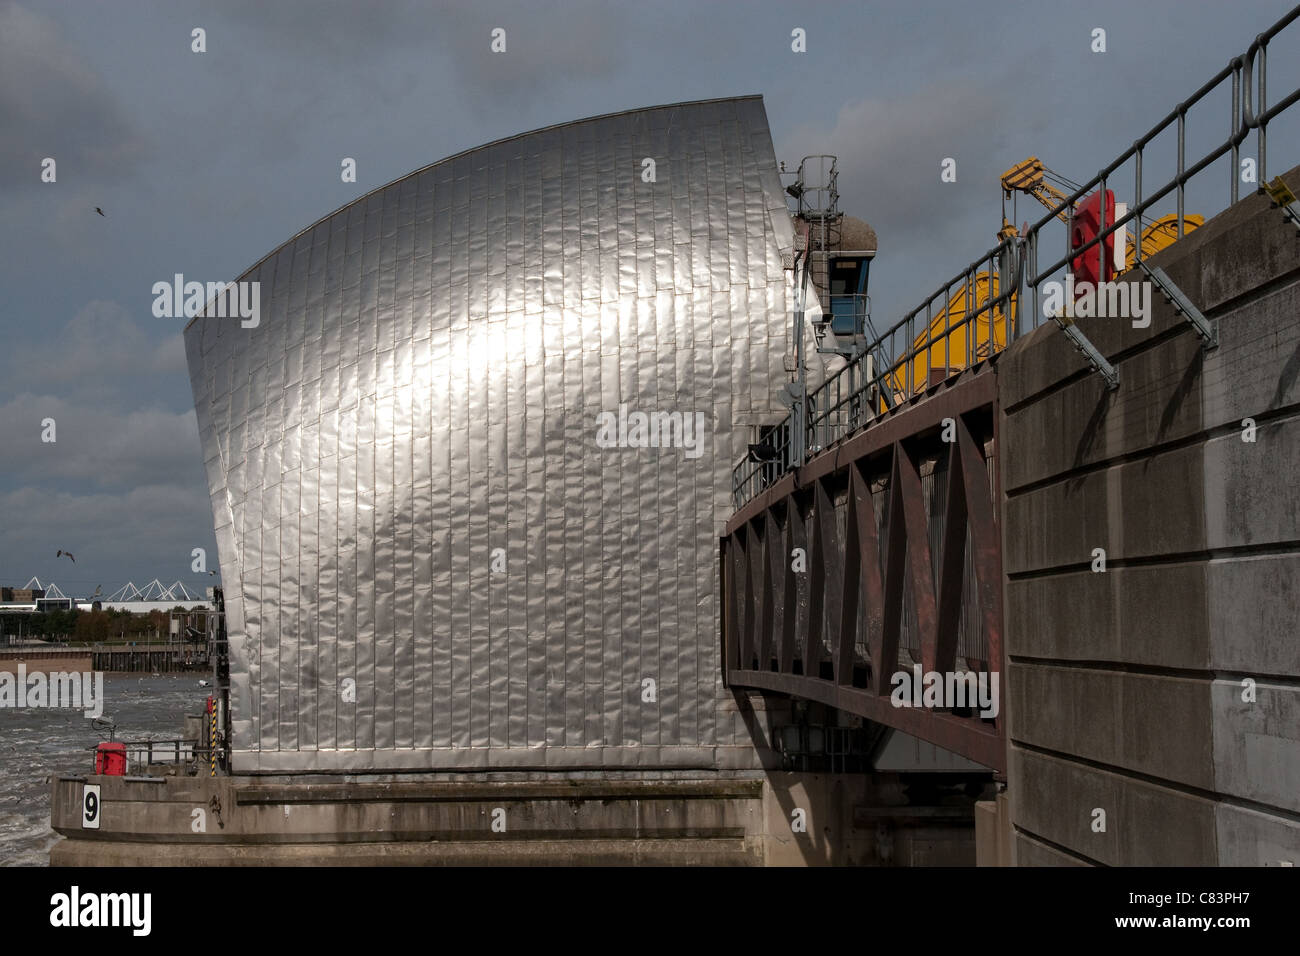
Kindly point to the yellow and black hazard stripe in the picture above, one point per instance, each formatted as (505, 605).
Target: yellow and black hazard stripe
(212, 735)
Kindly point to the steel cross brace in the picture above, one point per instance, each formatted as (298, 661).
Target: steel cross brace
(1095, 358)
(1207, 329)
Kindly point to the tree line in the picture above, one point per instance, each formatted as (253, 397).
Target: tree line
(86, 627)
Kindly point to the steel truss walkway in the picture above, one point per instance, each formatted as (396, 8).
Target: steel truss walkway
(882, 552)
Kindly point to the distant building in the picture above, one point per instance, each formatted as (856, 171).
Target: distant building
(155, 596)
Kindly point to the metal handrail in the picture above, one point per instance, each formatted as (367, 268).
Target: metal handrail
(854, 395)
(171, 750)
(885, 374)
(1243, 121)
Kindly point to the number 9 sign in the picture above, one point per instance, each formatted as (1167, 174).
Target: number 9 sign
(90, 806)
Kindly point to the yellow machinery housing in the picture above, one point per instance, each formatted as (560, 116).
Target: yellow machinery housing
(942, 349)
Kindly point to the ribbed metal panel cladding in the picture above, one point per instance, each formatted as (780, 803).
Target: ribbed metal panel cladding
(424, 387)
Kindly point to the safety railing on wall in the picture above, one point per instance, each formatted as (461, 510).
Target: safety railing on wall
(141, 754)
(977, 313)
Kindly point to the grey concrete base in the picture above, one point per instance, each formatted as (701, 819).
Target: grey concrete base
(993, 833)
(774, 819)
(503, 852)
(1031, 852)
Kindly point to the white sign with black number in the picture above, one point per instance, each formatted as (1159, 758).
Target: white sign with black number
(90, 806)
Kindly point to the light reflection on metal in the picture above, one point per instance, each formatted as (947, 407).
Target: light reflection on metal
(424, 387)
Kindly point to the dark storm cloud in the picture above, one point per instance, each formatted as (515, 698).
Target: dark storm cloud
(102, 357)
(204, 163)
(122, 487)
(548, 44)
(152, 528)
(325, 29)
(96, 447)
(52, 104)
(890, 152)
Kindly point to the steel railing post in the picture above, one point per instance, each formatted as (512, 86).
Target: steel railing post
(1182, 145)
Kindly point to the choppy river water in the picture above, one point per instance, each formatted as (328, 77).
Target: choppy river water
(36, 743)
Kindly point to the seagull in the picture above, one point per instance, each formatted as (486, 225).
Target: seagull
(66, 554)
(100, 211)
(211, 573)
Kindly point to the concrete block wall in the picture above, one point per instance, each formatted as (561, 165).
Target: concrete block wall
(1128, 689)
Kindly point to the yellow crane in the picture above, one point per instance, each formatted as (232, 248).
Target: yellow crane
(1030, 177)
(942, 348)
(1033, 178)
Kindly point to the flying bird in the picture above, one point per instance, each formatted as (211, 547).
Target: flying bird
(66, 554)
(100, 211)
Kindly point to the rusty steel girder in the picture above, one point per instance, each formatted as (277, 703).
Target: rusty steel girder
(770, 599)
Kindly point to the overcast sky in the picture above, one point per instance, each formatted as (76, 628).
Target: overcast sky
(203, 163)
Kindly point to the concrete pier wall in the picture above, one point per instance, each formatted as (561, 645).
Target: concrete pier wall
(778, 819)
(1163, 692)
